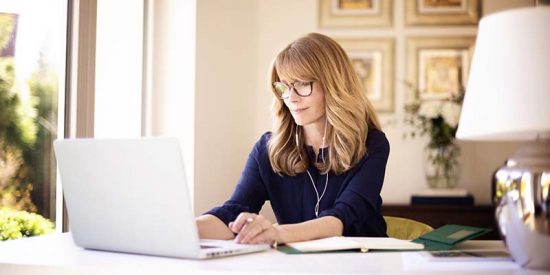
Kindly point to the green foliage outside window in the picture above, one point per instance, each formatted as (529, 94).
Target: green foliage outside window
(27, 128)
(17, 135)
(19, 224)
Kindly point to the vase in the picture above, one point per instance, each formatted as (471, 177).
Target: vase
(441, 165)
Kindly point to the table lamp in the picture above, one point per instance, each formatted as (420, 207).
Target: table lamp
(508, 98)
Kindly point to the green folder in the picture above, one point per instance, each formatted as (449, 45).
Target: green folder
(449, 235)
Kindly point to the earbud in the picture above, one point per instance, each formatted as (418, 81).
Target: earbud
(298, 142)
(296, 136)
(324, 136)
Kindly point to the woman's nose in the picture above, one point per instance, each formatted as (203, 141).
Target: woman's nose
(293, 95)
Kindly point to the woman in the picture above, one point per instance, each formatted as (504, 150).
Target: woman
(322, 167)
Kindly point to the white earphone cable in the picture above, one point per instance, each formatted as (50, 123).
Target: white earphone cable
(317, 205)
(317, 192)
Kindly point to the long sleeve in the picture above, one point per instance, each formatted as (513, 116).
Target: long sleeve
(358, 204)
(352, 197)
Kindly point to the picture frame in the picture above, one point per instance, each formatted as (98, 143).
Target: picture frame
(373, 60)
(442, 12)
(438, 67)
(355, 13)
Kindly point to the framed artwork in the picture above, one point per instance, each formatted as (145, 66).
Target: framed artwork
(442, 12)
(355, 13)
(438, 66)
(373, 62)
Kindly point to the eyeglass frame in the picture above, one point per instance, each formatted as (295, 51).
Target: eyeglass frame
(291, 86)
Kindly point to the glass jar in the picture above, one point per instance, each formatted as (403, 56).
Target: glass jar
(441, 165)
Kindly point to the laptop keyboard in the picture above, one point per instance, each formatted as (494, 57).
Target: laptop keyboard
(208, 246)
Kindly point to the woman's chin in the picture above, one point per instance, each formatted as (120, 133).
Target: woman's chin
(299, 121)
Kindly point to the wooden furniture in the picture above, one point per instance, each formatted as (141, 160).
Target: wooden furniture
(439, 215)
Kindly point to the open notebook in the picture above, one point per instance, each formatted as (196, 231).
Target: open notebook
(348, 243)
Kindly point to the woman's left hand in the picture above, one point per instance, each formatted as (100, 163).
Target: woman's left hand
(254, 229)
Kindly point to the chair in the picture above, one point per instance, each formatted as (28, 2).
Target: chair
(405, 229)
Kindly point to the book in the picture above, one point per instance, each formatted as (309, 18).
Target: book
(363, 244)
(447, 236)
(442, 200)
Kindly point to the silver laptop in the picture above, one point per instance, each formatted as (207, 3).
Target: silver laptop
(131, 195)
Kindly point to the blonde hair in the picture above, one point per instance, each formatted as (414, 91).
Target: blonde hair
(316, 57)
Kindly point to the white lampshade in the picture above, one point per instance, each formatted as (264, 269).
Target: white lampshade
(508, 91)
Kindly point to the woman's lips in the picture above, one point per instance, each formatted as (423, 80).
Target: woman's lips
(299, 110)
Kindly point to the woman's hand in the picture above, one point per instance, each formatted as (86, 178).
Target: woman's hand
(254, 229)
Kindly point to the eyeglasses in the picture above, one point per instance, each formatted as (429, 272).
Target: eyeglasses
(302, 89)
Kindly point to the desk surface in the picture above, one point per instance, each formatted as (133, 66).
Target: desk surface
(57, 254)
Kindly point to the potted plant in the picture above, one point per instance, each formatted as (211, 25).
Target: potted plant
(438, 119)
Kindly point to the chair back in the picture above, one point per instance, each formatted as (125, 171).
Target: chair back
(405, 229)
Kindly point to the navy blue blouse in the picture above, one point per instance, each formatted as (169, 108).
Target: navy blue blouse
(353, 197)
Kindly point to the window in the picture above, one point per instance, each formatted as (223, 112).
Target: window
(32, 84)
(119, 52)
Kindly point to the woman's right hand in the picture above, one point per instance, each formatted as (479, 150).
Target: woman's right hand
(254, 229)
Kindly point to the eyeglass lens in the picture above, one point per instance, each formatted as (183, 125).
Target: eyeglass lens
(301, 88)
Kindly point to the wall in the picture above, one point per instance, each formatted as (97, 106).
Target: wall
(226, 88)
(170, 83)
(232, 95)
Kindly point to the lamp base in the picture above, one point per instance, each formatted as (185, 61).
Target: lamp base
(523, 199)
(528, 248)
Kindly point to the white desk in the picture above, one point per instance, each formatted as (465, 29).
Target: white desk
(57, 254)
